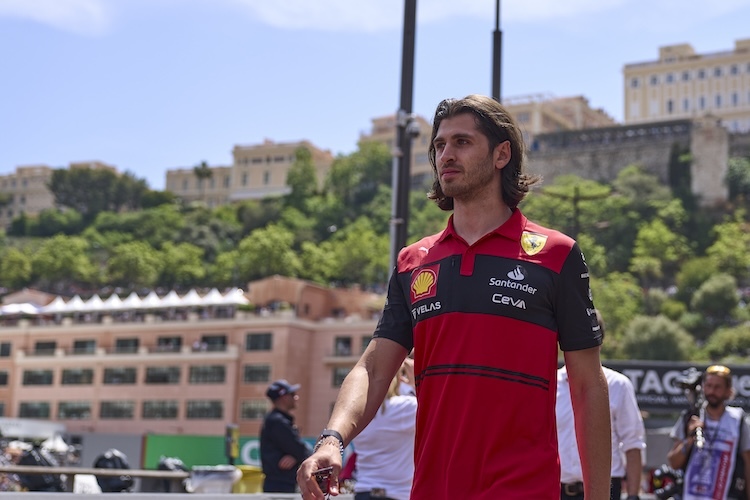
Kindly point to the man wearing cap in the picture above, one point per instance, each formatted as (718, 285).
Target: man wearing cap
(281, 448)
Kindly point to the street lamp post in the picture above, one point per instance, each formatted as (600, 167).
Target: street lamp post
(405, 128)
(497, 54)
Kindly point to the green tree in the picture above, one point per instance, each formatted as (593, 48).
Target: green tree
(356, 179)
(731, 250)
(182, 265)
(52, 221)
(692, 275)
(15, 268)
(202, 173)
(716, 300)
(360, 255)
(728, 342)
(656, 338)
(63, 260)
(225, 270)
(738, 180)
(266, 252)
(317, 262)
(134, 264)
(301, 178)
(619, 298)
(657, 250)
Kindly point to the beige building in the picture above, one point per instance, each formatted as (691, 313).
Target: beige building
(258, 171)
(684, 84)
(25, 190)
(536, 114)
(183, 370)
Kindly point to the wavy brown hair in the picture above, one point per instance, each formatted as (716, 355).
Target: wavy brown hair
(494, 121)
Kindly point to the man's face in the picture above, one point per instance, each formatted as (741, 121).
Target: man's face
(465, 165)
(288, 401)
(716, 390)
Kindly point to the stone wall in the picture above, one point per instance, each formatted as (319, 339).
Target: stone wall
(600, 154)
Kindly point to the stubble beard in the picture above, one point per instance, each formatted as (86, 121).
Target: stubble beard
(475, 180)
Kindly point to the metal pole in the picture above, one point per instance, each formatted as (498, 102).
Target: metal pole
(497, 55)
(402, 151)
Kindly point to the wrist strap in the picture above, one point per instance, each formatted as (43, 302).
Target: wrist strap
(334, 434)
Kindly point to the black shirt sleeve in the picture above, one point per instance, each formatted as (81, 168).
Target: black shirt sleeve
(574, 308)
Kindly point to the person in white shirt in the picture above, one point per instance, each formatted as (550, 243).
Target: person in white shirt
(385, 448)
(628, 436)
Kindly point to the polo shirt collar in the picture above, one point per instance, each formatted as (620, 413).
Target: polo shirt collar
(511, 229)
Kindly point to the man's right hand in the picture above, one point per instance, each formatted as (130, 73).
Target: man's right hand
(326, 456)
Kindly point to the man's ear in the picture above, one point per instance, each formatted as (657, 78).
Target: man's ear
(501, 156)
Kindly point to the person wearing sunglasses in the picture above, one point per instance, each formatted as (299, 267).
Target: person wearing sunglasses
(713, 447)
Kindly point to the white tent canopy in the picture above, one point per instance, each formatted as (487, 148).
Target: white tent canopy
(235, 296)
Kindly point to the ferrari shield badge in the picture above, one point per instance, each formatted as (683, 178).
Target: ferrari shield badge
(532, 243)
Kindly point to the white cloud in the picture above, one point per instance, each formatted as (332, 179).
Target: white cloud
(84, 17)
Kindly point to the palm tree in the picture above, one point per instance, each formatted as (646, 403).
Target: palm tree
(202, 172)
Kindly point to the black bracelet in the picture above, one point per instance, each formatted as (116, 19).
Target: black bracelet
(334, 434)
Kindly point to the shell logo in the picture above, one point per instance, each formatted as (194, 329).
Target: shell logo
(424, 284)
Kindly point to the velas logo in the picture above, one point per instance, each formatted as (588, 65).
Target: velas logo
(424, 283)
(532, 243)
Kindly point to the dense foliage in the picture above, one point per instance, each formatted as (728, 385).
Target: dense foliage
(671, 277)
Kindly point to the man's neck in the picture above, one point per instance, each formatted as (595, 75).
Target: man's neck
(474, 220)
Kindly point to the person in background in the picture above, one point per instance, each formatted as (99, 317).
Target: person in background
(713, 448)
(281, 448)
(628, 436)
(385, 448)
(485, 305)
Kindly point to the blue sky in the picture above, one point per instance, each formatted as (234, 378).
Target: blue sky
(151, 85)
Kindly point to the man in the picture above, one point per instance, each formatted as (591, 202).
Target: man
(484, 305)
(628, 436)
(281, 449)
(713, 448)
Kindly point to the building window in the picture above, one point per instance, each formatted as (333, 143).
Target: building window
(654, 80)
(254, 409)
(5, 348)
(157, 410)
(259, 342)
(735, 99)
(734, 69)
(257, 160)
(685, 76)
(117, 410)
(227, 181)
(45, 348)
(686, 105)
(37, 377)
(3, 377)
(670, 78)
(33, 409)
(244, 178)
(212, 410)
(78, 376)
(74, 410)
(717, 71)
(169, 344)
(343, 346)
(84, 347)
(126, 346)
(366, 339)
(670, 106)
(718, 100)
(215, 343)
(119, 376)
(257, 373)
(185, 185)
(266, 178)
(162, 375)
(701, 74)
(209, 374)
(634, 83)
(2, 409)
(702, 103)
(339, 374)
